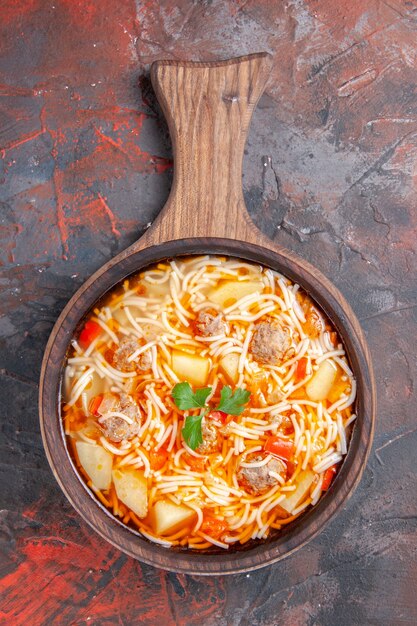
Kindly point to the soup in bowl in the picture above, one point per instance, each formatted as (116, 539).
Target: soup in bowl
(207, 402)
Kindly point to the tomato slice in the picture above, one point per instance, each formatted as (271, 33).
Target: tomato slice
(329, 474)
(196, 464)
(219, 416)
(90, 332)
(213, 527)
(300, 372)
(282, 448)
(290, 469)
(157, 458)
(95, 405)
(286, 426)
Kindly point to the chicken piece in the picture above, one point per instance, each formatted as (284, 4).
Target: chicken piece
(210, 323)
(257, 480)
(116, 428)
(145, 361)
(314, 324)
(270, 342)
(211, 441)
(275, 396)
(127, 346)
(284, 422)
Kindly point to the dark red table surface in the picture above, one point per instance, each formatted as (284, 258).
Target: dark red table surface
(330, 171)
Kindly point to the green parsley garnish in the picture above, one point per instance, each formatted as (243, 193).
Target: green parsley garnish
(192, 432)
(185, 398)
(232, 403)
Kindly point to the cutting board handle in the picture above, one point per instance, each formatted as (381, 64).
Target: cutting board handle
(208, 107)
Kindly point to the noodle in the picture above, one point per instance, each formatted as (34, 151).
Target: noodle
(255, 471)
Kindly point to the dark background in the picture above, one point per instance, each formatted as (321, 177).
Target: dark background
(330, 171)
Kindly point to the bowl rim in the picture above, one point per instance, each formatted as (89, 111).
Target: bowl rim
(304, 528)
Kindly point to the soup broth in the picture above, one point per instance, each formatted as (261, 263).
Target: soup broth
(207, 401)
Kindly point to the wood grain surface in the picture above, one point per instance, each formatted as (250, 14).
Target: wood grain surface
(208, 108)
(328, 172)
(204, 130)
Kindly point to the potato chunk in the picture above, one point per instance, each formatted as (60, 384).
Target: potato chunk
(190, 367)
(319, 386)
(132, 489)
(93, 388)
(96, 462)
(294, 498)
(167, 518)
(339, 386)
(120, 315)
(229, 367)
(230, 291)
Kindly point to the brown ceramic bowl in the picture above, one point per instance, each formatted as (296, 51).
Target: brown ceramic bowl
(208, 107)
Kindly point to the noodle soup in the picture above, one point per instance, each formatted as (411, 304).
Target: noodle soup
(207, 401)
